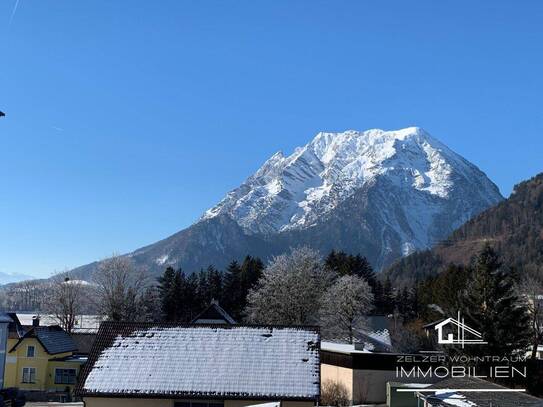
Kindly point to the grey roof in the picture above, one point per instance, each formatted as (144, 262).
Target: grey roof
(480, 399)
(206, 361)
(53, 339)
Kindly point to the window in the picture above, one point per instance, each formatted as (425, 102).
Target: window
(65, 376)
(29, 375)
(30, 351)
(199, 404)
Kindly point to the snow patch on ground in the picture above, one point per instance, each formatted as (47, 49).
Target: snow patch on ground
(162, 259)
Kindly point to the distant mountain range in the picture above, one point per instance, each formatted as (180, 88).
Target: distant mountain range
(383, 194)
(8, 278)
(514, 227)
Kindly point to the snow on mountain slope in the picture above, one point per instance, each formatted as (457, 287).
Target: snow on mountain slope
(298, 191)
(380, 193)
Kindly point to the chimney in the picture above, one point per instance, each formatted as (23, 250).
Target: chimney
(36, 320)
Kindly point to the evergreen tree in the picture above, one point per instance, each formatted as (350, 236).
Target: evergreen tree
(251, 271)
(403, 304)
(361, 267)
(151, 305)
(492, 307)
(167, 294)
(179, 293)
(388, 297)
(338, 261)
(378, 296)
(344, 264)
(193, 301)
(214, 284)
(232, 298)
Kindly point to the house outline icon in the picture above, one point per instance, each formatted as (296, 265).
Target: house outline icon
(461, 330)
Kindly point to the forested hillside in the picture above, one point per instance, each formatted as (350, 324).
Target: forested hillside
(514, 228)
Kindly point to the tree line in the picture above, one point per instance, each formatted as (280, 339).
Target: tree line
(182, 297)
(300, 288)
(494, 299)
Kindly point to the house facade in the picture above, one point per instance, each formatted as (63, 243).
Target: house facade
(145, 364)
(40, 358)
(363, 373)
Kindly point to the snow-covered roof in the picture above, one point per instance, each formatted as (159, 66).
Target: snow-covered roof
(448, 398)
(367, 342)
(226, 361)
(341, 347)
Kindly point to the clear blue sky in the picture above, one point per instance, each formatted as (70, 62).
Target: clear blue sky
(126, 120)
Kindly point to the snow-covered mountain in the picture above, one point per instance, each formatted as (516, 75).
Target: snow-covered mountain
(381, 193)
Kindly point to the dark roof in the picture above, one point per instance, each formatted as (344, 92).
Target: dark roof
(482, 399)
(83, 341)
(214, 314)
(53, 339)
(165, 360)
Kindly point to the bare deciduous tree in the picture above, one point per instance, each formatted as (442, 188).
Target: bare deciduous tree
(120, 287)
(65, 300)
(344, 307)
(334, 393)
(290, 289)
(24, 296)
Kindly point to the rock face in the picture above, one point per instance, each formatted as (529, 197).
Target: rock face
(381, 193)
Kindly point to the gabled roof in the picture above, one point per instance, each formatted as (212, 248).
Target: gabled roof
(203, 361)
(214, 314)
(53, 339)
